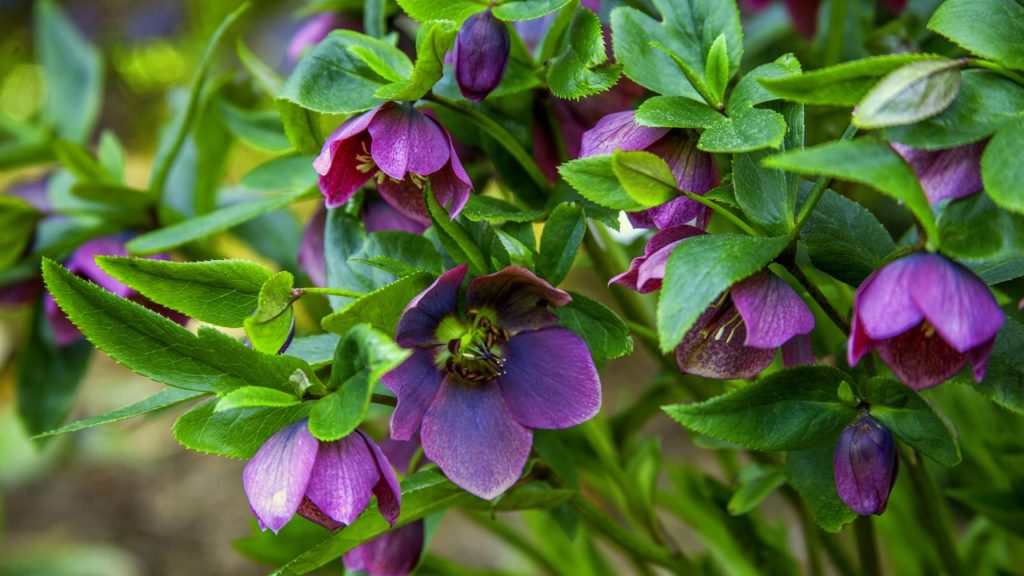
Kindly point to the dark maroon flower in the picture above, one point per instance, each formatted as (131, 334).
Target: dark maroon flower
(329, 483)
(402, 150)
(478, 383)
(694, 170)
(927, 316)
(865, 466)
(949, 173)
(482, 48)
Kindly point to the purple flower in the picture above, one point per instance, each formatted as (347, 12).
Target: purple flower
(316, 29)
(329, 483)
(482, 49)
(694, 170)
(646, 272)
(477, 383)
(394, 553)
(950, 173)
(865, 466)
(927, 316)
(402, 150)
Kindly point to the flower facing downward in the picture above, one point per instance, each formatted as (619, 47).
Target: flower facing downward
(865, 466)
(477, 383)
(402, 150)
(481, 55)
(694, 170)
(927, 316)
(329, 483)
(950, 173)
(394, 553)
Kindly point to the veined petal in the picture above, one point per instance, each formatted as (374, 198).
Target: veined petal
(714, 348)
(694, 169)
(772, 312)
(978, 356)
(798, 352)
(394, 553)
(387, 490)
(646, 272)
(470, 434)
(550, 380)
(337, 165)
(519, 297)
(919, 359)
(619, 131)
(950, 173)
(884, 302)
(955, 301)
(419, 321)
(379, 215)
(83, 263)
(405, 140)
(406, 197)
(343, 478)
(415, 382)
(276, 478)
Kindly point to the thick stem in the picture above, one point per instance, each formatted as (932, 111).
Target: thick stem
(867, 549)
(934, 513)
(328, 292)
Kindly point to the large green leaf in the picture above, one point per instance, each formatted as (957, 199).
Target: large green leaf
(700, 269)
(380, 308)
(989, 28)
(745, 131)
(560, 241)
(233, 433)
(456, 239)
(517, 10)
(272, 323)
(432, 42)
(1001, 168)
(605, 333)
(454, 10)
(844, 239)
(580, 69)
(912, 420)
(221, 292)
(910, 93)
(165, 398)
(594, 178)
(795, 409)
(645, 177)
(811, 473)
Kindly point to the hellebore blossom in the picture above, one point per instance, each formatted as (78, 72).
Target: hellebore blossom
(694, 170)
(477, 383)
(950, 173)
(927, 316)
(865, 466)
(394, 553)
(482, 48)
(402, 150)
(329, 483)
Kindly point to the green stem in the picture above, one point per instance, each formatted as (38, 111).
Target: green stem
(836, 27)
(817, 191)
(729, 214)
(818, 296)
(497, 132)
(329, 292)
(867, 549)
(645, 333)
(384, 400)
(979, 63)
(933, 512)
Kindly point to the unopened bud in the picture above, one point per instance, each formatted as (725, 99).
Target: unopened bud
(481, 55)
(865, 465)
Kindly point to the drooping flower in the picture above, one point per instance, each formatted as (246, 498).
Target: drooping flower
(402, 150)
(646, 272)
(950, 173)
(477, 383)
(329, 483)
(694, 170)
(482, 49)
(865, 465)
(804, 13)
(927, 316)
(394, 553)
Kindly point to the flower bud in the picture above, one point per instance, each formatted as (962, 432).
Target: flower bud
(481, 55)
(865, 466)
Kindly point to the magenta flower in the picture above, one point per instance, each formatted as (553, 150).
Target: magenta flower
(694, 170)
(927, 316)
(482, 48)
(394, 553)
(402, 149)
(329, 483)
(478, 383)
(646, 272)
(865, 466)
(950, 173)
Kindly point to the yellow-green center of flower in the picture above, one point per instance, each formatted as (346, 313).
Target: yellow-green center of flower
(474, 351)
(366, 165)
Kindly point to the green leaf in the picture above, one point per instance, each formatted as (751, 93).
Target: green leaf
(795, 409)
(165, 398)
(456, 240)
(332, 78)
(1004, 376)
(273, 321)
(233, 433)
(381, 308)
(975, 231)
(80, 162)
(518, 10)
(645, 177)
(455, 10)
(265, 76)
(749, 92)
(487, 209)
(912, 420)
(560, 241)
(261, 129)
(844, 239)
(989, 28)
(700, 269)
(301, 126)
(423, 493)
(362, 357)
(317, 350)
(1001, 169)
(868, 162)
(716, 73)
(432, 42)
(157, 348)
(18, 221)
(254, 396)
(72, 70)
(220, 292)
(756, 482)
(840, 85)
(986, 102)
(910, 93)
(605, 333)
(206, 225)
(677, 112)
(581, 68)
(594, 178)
(811, 473)
(747, 130)
(284, 173)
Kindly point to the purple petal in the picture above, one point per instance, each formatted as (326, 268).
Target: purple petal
(378, 216)
(950, 173)
(337, 165)
(955, 301)
(276, 478)
(919, 359)
(978, 358)
(405, 140)
(405, 197)
(482, 49)
(313, 513)
(646, 272)
(451, 185)
(859, 343)
(415, 382)
(64, 332)
(419, 322)
(865, 466)
(400, 452)
(550, 380)
(343, 478)
(311, 250)
(518, 297)
(394, 553)
(772, 312)
(83, 263)
(470, 434)
(714, 348)
(798, 352)
(884, 303)
(695, 170)
(618, 131)
(387, 489)
(311, 33)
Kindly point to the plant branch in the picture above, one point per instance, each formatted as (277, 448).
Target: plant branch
(818, 190)
(384, 400)
(729, 214)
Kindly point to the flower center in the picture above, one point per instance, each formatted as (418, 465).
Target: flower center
(476, 356)
(724, 322)
(366, 165)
